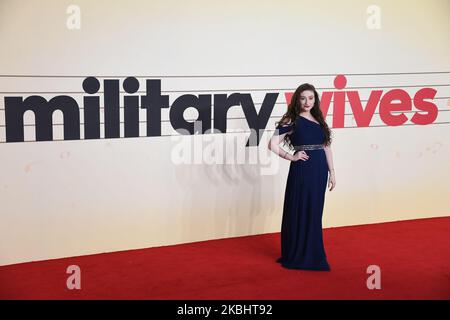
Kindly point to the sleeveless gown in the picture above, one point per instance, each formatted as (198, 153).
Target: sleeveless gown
(301, 228)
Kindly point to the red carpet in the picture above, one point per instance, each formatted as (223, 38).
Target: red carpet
(414, 257)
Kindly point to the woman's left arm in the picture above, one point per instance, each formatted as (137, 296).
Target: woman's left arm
(329, 154)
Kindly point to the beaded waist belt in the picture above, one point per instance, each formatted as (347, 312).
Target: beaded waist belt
(308, 147)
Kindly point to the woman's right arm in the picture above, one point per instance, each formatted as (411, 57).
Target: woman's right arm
(274, 146)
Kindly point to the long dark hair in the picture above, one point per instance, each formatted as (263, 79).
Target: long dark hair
(293, 112)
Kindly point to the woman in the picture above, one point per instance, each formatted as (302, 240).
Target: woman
(304, 129)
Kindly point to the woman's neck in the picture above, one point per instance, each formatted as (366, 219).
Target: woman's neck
(306, 114)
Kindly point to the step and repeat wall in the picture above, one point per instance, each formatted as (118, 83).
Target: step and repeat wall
(137, 124)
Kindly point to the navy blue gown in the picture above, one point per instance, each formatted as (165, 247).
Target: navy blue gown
(301, 228)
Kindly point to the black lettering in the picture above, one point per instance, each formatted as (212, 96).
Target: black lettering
(111, 110)
(131, 106)
(257, 121)
(15, 107)
(91, 109)
(153, 101)
(203, 105)
(223, 102)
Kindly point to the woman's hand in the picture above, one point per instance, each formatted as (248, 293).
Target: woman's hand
(301, 155)
(331, 181)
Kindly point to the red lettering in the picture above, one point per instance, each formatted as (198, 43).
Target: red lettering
(338, 109)
(387, 105)
(288, 96)
(419, 103)
(363, 116)
(325, 101)
(393, 100)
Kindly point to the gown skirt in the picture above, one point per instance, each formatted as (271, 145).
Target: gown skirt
(302, 244)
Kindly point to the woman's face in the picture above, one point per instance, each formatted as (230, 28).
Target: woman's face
(307, 100)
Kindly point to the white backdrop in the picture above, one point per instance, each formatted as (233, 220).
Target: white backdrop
(69, 198)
